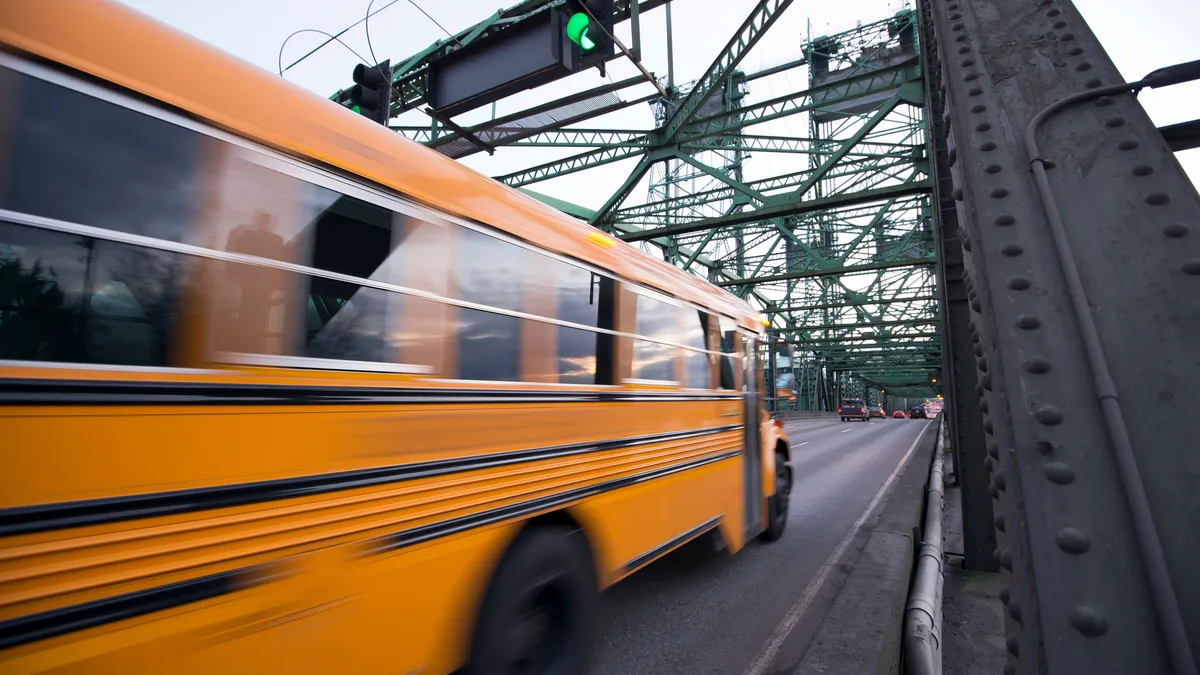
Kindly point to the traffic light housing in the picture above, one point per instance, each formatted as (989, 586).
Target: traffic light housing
(530, 53)
(587, 43)
(371, 95)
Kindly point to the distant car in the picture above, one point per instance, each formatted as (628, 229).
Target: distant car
(853, 409)
(875, 411)
(917, 413)
(899, 415)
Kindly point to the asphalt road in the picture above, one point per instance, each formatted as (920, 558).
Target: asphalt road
(698, 613)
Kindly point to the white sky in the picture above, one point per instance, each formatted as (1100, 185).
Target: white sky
(1139, 36)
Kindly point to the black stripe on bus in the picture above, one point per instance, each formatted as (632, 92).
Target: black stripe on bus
(33, 391)
(424, 533)
(649, 556)
(62, 515)
(55, 622)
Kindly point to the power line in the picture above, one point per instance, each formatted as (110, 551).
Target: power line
(332, 38)
(335, 37)
(414, 4)
(367, 30)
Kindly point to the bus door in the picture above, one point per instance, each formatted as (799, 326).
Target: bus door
(752, 463)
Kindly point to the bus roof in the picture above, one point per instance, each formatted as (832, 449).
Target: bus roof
(117, 44)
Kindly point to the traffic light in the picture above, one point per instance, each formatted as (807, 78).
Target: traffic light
(577, 31)
(589, 42)
(371, 95)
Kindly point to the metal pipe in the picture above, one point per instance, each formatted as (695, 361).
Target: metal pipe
(670, 55)
(1150, 546)
(923, 613)
(636, 24)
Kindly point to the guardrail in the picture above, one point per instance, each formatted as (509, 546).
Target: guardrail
(923, 614)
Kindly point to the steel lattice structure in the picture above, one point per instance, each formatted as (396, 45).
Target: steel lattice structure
(837, 250)
(908, 241)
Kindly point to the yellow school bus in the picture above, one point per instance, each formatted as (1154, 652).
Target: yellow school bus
(283, 392)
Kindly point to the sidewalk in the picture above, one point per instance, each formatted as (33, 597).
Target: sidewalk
(972, 615)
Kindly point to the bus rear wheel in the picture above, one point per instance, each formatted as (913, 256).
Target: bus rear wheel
(539, 612)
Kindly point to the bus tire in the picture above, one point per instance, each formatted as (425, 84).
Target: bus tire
(777, 504)
(539, 612)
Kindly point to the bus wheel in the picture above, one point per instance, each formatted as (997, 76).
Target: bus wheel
(539, 612)
(778, 503)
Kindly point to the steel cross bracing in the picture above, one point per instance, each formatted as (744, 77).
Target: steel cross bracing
(852, 228)
(1079, 296)
(769, 256)
(834, 243)
(861, 85)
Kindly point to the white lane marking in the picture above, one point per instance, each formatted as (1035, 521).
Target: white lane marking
(804, 443)
(760, 664)
(847, 430)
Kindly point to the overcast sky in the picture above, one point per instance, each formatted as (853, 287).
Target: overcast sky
(1139, 36)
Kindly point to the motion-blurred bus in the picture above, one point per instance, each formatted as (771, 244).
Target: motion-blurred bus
(283, 392)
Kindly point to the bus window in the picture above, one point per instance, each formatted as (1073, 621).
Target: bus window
(70, 157)
(347, 321)
(425, 264)
(83, 160)
(489, 346)
(272, 316)
(262, 212)
(578, 293)
(586, 298)
(696, 363)
(74, 299)
(489, 272)
(729, 348)
(654, 361)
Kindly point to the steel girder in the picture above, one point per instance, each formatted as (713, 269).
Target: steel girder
(750, 32)
(964, 417)
(555, 138)
(1080, 292)
(871, 82)
(611, 138)
(788, 208)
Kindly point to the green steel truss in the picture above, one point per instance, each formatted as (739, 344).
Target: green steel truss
(828, 231)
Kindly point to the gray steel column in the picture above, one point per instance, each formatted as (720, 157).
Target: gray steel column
(961, 386)
(1078, 561)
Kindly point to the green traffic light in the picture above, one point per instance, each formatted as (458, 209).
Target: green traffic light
(577, 31)
(356, 109)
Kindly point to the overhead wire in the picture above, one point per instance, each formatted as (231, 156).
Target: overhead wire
(370, 48)
(367, 30)
(336, 37)
(332, 38)
(414, 4)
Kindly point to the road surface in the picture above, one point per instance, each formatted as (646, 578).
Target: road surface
(697, 613)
